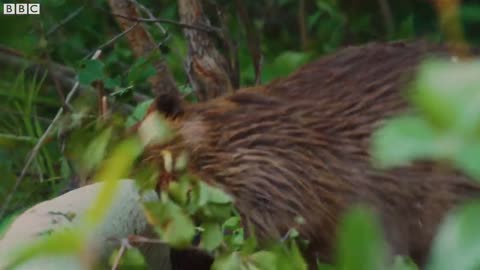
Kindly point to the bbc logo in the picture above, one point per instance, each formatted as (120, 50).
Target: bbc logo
(21, 9)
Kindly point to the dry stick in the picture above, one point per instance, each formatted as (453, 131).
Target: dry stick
(133, 239)
(123, 248)
(128, 242)
(39, 144)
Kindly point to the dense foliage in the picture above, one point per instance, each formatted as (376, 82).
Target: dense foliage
(292, 32)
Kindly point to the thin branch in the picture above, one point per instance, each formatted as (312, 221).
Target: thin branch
(112, 40)
(150, 15)
(157, 24)
(123, 248)
(64, 21)
(39, 145)
(135, 239)
(143, 45)
(209, 29)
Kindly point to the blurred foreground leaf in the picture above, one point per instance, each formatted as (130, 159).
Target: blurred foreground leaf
(457, 244)
(361, 245)
(60, 243)
(447, 127)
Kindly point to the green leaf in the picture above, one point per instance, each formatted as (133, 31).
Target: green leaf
(141, 70)
(265, 260)
(229, 262)
(200, 194)
(232, 223)
(113, 83)
(401, 140)
(132, 258)
(289, 256)
(218, 196)
(173, 225)
(138, 113)
(217, 212)
(284, 64)
(59, 243)
(92, 71)
(402, 263)
(95, 151)
(180, 231)
(457, 244)
(117, 166)
(179, 190)
(212, 236)
(361, 246)
(211, 201)
(447, 94)
(468, 159)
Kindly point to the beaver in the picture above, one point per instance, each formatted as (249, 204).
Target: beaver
(299, 147)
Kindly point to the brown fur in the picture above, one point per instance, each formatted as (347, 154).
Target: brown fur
(299, 147)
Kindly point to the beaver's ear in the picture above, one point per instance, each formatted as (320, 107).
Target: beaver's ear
(170, 106)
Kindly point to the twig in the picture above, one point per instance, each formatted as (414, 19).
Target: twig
(123, 248)
(64, 21)
(157, 24)
(142, 239)
(150, 15)
(39, 144)
(208, 29)
(112, 40)
(56, 82)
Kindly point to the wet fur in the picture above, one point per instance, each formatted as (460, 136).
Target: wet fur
(299, 147)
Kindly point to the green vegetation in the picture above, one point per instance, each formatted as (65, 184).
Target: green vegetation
(85, 143)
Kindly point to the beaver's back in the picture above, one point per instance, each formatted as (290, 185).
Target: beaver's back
(282, 159)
